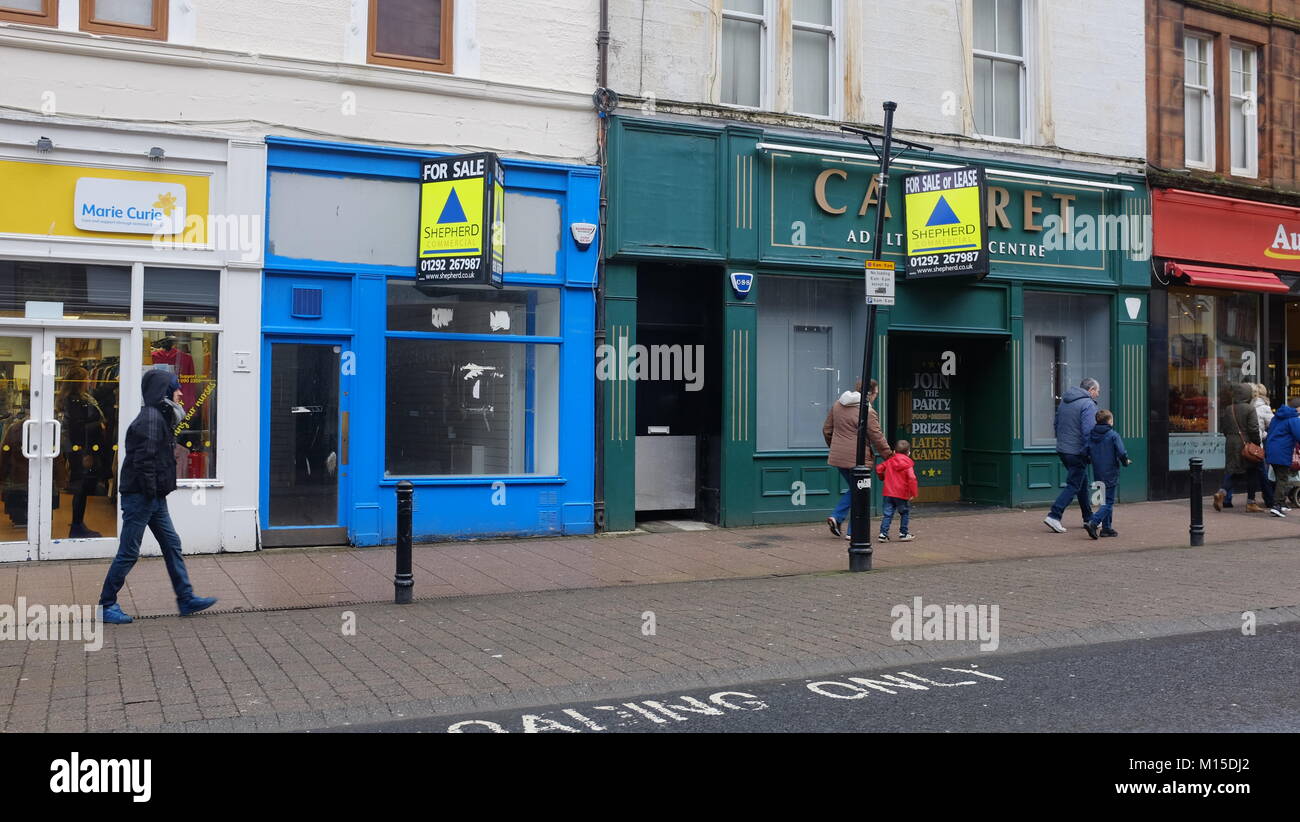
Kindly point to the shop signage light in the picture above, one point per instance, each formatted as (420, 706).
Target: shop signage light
(462, 221)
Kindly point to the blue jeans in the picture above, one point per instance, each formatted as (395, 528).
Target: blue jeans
(841, 511)
(1076, 485)
(904, 509)
(1264, 485)
(1104, 513)
(138, 511)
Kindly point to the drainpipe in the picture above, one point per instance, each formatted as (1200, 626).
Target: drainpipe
(605, 102)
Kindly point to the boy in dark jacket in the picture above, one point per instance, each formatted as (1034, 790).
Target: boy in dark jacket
(1283, 436)
(900, 489)
(1107, 453)
(148, 476)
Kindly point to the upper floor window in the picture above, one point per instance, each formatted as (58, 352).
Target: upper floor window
(1245, 134)
(132, 18)
(744, 51)
(1198, 101)
(999, 57)
(39, 12)
(411, 34)
(814, 56)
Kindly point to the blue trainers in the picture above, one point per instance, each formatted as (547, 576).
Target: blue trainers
(114, 615)
(197, 604)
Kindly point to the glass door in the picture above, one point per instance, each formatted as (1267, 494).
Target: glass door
(80, 430)
(307, 449)
(19, 446)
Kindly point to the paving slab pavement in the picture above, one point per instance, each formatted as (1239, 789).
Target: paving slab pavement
(305, 669)
(283, 578)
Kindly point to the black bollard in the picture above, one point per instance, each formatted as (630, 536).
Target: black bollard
(1197, 529)
(860, 550)
(403, 579)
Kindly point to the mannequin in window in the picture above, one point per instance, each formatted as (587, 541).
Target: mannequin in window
(83, 444)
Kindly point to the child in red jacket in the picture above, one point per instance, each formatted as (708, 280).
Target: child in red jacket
(900, 490)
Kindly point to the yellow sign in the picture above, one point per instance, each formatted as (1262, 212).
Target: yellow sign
(451, 217)
(40, 199)
(880, 265)
(944, 216)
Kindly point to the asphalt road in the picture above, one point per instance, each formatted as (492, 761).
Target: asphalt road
(1210, 682)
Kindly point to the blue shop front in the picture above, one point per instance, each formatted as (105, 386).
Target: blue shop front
(481, 396)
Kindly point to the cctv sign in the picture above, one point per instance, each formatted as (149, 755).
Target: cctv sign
(880, 282)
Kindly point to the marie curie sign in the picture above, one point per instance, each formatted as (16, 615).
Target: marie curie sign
(128, 206)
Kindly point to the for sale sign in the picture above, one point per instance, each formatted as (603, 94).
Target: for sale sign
(462, 214)
(944, 213)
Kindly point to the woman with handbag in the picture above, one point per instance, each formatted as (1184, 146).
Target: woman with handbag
(1242, 450)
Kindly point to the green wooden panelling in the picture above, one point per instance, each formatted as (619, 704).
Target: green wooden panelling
(620, 403)
(666, 190)
(740, 483)
(952, 307)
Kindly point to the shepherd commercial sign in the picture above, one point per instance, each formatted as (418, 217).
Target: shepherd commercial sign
(462, 212)
(944, 216)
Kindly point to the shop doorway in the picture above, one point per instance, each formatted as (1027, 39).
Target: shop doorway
(60, 429)
(677, 366)
(937, 402)
(306, 450)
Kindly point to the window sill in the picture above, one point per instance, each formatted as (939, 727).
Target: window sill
(476, 480)
(200, 483)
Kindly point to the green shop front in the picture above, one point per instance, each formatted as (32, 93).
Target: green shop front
(735, 316)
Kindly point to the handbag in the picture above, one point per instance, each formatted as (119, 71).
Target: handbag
(1250, 451)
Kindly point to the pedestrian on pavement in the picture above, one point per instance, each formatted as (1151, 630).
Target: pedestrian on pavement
(1107, 453)
(1264, 413)
(1238, 423)
(148, 476)
(899, 491)
(841, 433)
(1279, 450)
(1075, 417)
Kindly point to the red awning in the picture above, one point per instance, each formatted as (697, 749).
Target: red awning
(1233, 279)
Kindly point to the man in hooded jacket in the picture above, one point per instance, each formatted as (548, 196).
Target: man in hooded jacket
(1075, 417)
(148, 476)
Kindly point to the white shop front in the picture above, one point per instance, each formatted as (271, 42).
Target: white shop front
(123, 250)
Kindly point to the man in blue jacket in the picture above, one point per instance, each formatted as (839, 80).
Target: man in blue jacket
(148, 476)
(1075, 417)
(1283, 434)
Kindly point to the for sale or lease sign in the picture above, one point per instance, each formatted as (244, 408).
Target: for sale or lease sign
(944, 215)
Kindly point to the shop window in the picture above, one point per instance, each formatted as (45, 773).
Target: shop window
(1213, 341)
(533, 312)
(1245, 134)
(533, 232)
(999, 62)
(132, 18)
(36, 12)
(744, 51)
(414, 34)
(472, 406)
(69, 290)
(1067, 339)
(814, 61)
(810, 335)
(192, 357)
(343, 219)
(181, 295)
(1198, 101)
(463, 407)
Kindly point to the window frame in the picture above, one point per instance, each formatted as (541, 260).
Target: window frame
(48, 16)
(1208, 117)
(765, 47)
(445, 65)
(1021, 61)
(833, 61)
(155, 31)
(557, 342)
(1251, 125)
